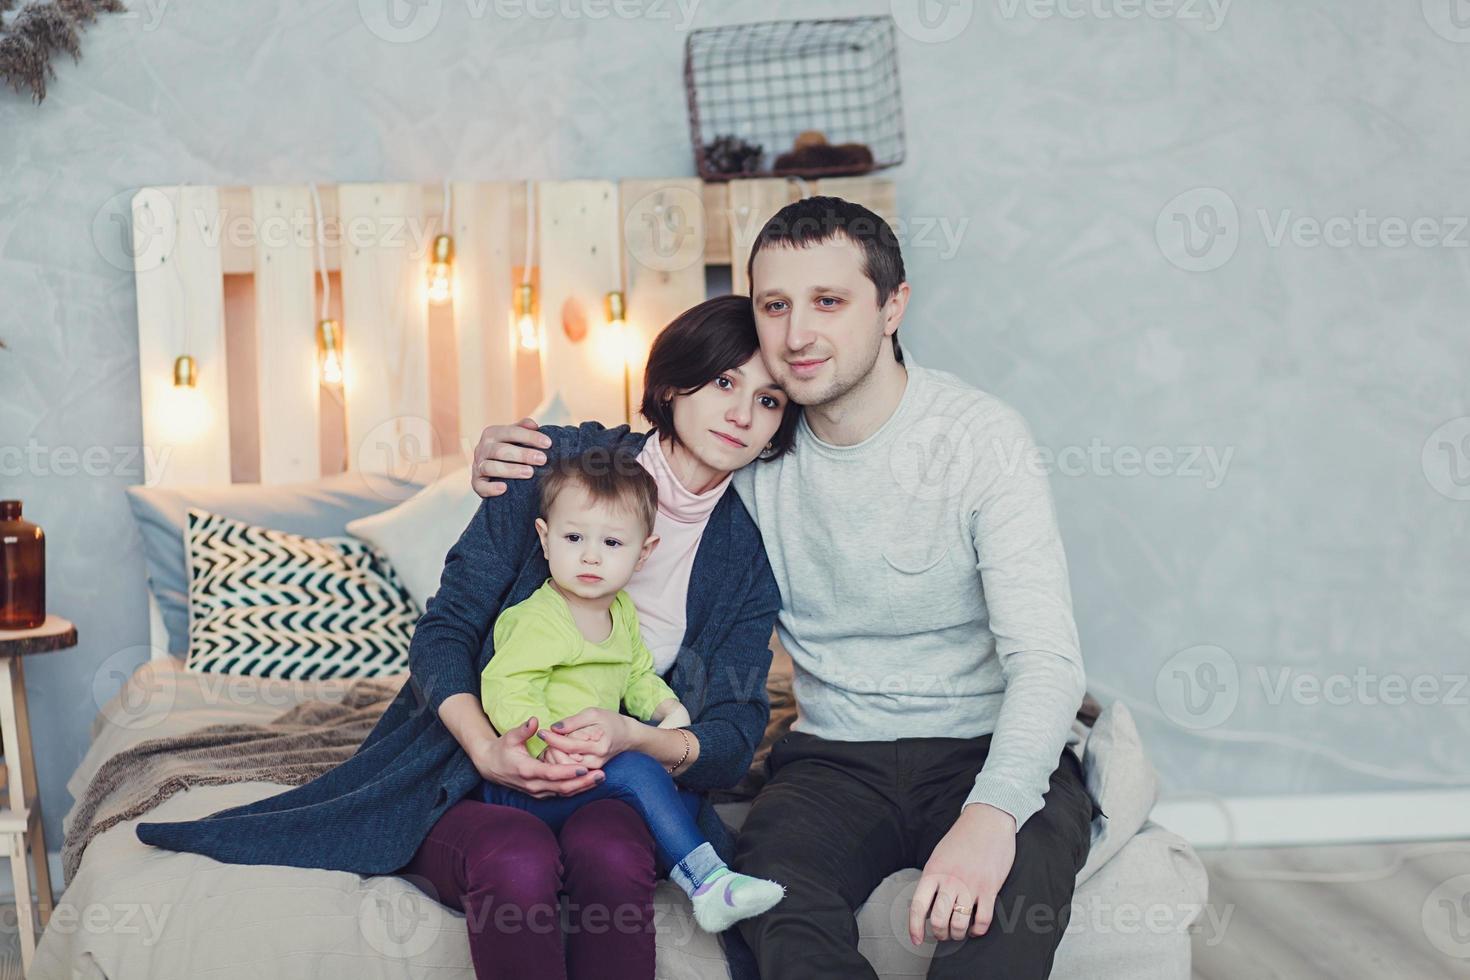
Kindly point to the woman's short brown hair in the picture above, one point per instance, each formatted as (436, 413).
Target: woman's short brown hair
(697, 347)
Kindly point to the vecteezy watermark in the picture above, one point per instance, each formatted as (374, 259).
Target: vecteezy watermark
(1445, 458)
(137, 699)
(1095, 915)
(1199, 230)
(1445, 917)
(664, 229)
(935, 459)
(912, 233)
(152, 13)
(1199, 687)
(1209, 14)
(407, 21)
(403, 917)
(139, 232)
(1209, 464)
(1362, 686)
(1450, 19)
(1362, 230)
(932, 21)
(143, 922)
(400, 456)
(39, 460)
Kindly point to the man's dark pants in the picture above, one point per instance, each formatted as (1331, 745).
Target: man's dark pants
(836, 818)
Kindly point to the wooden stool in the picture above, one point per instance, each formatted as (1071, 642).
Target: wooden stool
(20, 819)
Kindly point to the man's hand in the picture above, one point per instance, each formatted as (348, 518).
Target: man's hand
(507, 452)
(964, 873)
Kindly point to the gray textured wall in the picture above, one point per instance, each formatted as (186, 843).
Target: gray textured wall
(1263, 455)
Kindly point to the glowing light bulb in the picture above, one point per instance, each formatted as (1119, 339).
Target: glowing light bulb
(527, 334)
(441, 271)
(329, 351)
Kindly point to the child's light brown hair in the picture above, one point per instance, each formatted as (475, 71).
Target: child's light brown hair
(609, 476)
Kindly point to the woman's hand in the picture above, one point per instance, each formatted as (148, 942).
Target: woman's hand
(507, 452)
(595, 734)
(504, 760)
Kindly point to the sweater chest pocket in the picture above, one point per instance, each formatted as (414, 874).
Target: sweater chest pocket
(928, 590)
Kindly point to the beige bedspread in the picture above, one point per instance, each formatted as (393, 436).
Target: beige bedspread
(301, 743)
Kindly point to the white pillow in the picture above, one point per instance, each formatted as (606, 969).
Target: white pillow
(1120, 779)
(418, 533)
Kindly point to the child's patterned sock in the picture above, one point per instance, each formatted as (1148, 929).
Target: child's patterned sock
(727, 896)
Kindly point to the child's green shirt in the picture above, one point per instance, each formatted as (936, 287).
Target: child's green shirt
(544, 666)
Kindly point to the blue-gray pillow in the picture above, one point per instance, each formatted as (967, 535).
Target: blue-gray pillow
(319, 509)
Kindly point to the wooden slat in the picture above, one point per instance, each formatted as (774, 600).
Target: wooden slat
(716, 196)
(385, 327)
(752, 202)
(489, 241)
(664, 239)
(285, 335)
(875, 194)
(578, 235)
(176, 237)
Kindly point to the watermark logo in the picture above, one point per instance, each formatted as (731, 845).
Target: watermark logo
(1363, 229)
(1445, 459)
(1199, 230)
(400, 21)
(663, 230)
(1208, 14)
(399, 456)
(135, 232)
(396, 918)
(934, 459)
(130, 699)
(1450, 19)
(932, 21)
(1198, 687)
(1445, 917)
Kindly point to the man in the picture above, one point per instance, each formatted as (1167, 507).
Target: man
(927, 611)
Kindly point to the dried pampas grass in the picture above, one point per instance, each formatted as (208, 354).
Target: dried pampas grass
(30, 36)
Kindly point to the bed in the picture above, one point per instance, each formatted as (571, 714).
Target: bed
(136, 911)
(272, 443)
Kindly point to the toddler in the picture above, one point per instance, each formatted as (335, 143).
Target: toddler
(574, 643)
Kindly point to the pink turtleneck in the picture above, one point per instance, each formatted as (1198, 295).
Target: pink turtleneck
(661, 587)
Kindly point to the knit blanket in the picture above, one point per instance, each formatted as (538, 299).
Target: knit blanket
(295, 748)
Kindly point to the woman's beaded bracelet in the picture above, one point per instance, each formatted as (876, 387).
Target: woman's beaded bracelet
(684, 732)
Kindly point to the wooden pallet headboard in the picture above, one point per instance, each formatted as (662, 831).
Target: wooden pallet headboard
(229, 276)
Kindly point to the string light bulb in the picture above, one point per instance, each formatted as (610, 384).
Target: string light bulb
(527, 334)
(329, 350)
(186, 372)
(618, 344)
(441, 259)
(441, 271)
(617, 323)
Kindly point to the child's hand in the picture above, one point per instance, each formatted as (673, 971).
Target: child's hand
(559, 758)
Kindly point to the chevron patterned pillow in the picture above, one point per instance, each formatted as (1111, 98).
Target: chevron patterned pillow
(267, 603)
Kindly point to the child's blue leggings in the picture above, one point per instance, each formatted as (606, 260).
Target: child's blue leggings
(634, 777)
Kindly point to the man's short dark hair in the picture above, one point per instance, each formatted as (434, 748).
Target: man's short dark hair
(821, 218)
(609, 476)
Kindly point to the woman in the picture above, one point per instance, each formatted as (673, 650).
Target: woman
(707, 602)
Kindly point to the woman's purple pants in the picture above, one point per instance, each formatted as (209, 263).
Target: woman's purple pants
(503, 868)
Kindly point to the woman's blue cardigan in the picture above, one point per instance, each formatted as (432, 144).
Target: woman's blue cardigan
(369, 814)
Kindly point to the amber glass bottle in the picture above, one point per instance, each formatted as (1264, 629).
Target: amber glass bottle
(22, 570)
